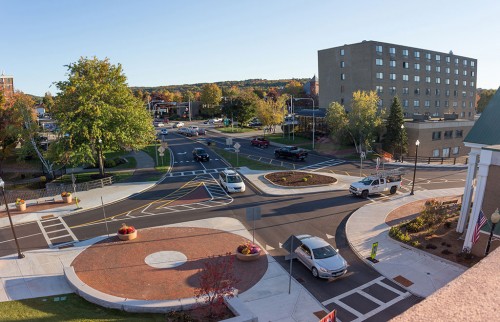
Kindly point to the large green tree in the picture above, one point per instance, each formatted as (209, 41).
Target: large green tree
(361, 124)
(271, 112)
(48, 101)
(395, 139)
(242, 107)
(97, 112)
(211, 96)
(484, 98)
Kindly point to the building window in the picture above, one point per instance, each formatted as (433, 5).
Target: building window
(459, 133)
(380, 103)
(427, 68)
(405, 78)
(448, 135)
(448, 59)
(417, 91)
(470, 114)
(447, 81)
(464, 73)
(438, 69)
(462, 114)
(456, 61)
(392, 51)
(456, 150)
(416, 54)
(342, 64)
(379, 75)
(472, 84)
(446, 152)
(342, 76)
(378, 49)
(435, 153)
(342, 101)
(447, 70)
(455, 104)
(427, 79)
(464, 62)
(417, 66)
(471, 94)
(472, 73)
(446, 104)
(438, 57)
(379, 62)
(456, 82)
(427, 91)
(392, 63)
(436, 136)
(392, 89)
(416, 103)
(456, 71)
(438, 80)
(379, 89)
(405, 90)
(437, 91)
(455, 93)
(405, 64)
(427, 103)
(472, 63)
(470, 104)
(416, 78)
(464, 83)
(342, 52)
(438, 103)
(428, 56)
(341, 88)
(464, 94)
(447, 93)
(463, 104)
(405, 52)
(405, 103)
(392, 76)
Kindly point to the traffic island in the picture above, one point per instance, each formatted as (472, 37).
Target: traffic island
(297, 179)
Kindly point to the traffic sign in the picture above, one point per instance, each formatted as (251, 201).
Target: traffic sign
(161, 154)
(237, 145)
(229, 141)
(237, 150)
(164, 145)
(161, 149)
(363, 155)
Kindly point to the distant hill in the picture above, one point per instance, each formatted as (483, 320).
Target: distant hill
(255, 83)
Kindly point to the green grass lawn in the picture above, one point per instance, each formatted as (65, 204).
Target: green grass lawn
(163, 162)
(241, 161)
(68, 307)
(235, 129)
(303, 142)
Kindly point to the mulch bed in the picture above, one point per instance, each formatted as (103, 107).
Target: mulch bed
(298, 179)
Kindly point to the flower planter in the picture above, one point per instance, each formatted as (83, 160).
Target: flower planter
(68, 199)
(21, 207)
(247, 257)
(128, 236)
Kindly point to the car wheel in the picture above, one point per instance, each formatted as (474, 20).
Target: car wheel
(277, 155)
(393, 190)
(364, 194)
(315, 272)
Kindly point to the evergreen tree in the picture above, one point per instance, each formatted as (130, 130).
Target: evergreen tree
(395, 140)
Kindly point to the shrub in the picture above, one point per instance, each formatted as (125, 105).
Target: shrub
(447, 224)
(396, 233)
(416, 244)
(119, 161)
(109, 163)
(415, 225)
(283, 179)
(310, 176)
(304, 179)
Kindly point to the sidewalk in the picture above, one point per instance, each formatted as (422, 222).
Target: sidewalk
(41, 272)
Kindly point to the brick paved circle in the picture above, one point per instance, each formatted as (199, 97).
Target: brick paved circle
(118, 268)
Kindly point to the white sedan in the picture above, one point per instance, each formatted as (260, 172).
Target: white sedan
(178, 124)
(320, 257)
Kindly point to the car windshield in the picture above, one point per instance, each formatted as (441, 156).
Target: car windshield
(366, 181)
(200, 151)
(233, 179)
(324, 252)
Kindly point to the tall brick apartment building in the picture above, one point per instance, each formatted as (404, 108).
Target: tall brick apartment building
(429, 84)
(7, 85)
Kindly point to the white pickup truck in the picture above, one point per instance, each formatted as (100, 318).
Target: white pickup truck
(382, 182)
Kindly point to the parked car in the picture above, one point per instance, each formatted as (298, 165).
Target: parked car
(231, 181)
(199, 154)
(163, 131)
(320, 257)
(291, 152)
(384, 181)
(178, 124)
(260, 142)
(158, 124)
(182, 130)
(201, 131)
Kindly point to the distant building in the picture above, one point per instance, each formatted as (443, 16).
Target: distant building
(427, 82)
(311, 87)
(7, 85)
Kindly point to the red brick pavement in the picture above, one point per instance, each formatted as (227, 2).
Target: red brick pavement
(118, 268)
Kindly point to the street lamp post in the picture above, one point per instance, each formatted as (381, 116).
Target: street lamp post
(495, 218)
(417, 143)
(401, 139)
(314, 118)
(19, 254)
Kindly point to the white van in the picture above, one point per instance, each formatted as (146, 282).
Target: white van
(231, 181)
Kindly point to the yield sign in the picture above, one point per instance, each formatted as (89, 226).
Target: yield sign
(237, 146)
(161, 149)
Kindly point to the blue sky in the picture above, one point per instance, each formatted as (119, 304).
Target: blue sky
(182, 42)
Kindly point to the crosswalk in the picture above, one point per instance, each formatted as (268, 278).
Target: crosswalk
(195, 172)
(368, 299)
(322, 165)
(56, 232)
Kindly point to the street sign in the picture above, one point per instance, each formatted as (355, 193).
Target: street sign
(164, 145)
(237, 150)
(253, 213)
(161, 149)
(229, 141)
(374, 250)
(363, 155)
(161, 154)
(237, 145)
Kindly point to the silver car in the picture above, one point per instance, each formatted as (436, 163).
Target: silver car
(320, 257)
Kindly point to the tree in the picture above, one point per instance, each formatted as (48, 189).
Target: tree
(395, 138)
(48, 101)
(97, 112)
(241, 108)
(294, 88)
(9, 127)
(484, 98)
(211, 96)
(188, 96)
(362, 123)
(271, 112)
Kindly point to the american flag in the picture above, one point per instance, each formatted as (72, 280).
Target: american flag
(481, 220)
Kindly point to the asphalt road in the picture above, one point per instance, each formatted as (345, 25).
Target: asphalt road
(320, 214)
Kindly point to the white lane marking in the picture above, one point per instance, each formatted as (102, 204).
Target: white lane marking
(21, 237)
(354, 290)
(382, 307)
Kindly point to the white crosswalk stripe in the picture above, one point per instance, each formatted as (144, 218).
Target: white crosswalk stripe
(56, 232)
(195, 172)
(322, 165)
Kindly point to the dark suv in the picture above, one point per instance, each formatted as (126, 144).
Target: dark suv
(200, 154)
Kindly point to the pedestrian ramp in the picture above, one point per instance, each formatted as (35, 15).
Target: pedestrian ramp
(56, 232)
(322, 165)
